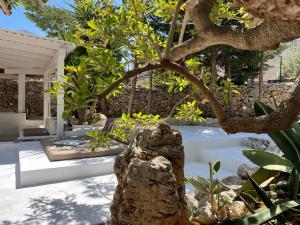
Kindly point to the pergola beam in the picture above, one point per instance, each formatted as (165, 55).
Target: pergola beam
(27, 47)
(8, 76)
(12, 70)
(32, 40)
(9, 63)
(22, 59)
(24, 53)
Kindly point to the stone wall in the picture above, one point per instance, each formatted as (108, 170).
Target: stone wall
(163, 102)
(8, 95)
(33, 99)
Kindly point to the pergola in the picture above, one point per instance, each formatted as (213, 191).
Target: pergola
(24, 54)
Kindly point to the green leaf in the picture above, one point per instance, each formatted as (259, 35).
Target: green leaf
(261, 193)
(293, 185)
(282, 168)
(216, 166)
(263, 215)
(263, 158)
(260, 176)
(287, 141)
(199, 185)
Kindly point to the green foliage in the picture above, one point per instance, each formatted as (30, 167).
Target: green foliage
(189, 111)
(261, 193)
(293, 185)
(126, 126)
(228, 87)
(288, 141)
(212, 187)
(268, 160)
(98, 138)
(263, 215)
(225, 10)
(55, 21)
(260, 176)
(193, 65)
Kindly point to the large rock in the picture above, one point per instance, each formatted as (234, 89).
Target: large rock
(150, 177)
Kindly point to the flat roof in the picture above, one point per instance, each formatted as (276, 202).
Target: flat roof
(26, 52)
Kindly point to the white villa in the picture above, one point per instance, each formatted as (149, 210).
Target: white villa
(25, 54)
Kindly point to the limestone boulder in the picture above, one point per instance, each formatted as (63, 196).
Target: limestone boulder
(150, 177)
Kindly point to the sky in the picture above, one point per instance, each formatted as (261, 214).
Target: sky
(18, 22)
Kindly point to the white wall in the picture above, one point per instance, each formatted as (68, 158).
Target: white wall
(10, 122)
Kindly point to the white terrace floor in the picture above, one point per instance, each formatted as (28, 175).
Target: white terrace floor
(87, 201)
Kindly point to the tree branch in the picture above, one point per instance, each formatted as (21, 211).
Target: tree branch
(280, 119)
(265, 36)
(272, 9)
(5, 7)
(188, 8)
(127, 76)
(172, 29)
(217, 108)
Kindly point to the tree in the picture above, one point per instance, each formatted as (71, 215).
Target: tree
(54, 21)
(264, 36)
(129, 26)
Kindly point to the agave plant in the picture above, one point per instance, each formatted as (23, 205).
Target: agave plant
(271, 165)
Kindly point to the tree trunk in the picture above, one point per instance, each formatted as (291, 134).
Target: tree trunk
(132, 92)
(150, 93)
(228, 75)
(214, 54)
(261, 77)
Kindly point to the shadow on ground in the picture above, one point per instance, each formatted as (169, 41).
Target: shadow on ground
(62, 212)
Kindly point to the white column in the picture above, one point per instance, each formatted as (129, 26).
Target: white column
(46, 97)
(61, 53)
(21, 93)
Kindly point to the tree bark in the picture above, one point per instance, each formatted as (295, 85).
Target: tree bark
(261, 77)
(228, 75)
(128, 75)
(276, 121)
(150, 93)
(268, 35)
(271, 9)
(214, 54)
(131, 96)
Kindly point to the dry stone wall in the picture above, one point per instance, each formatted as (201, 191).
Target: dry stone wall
(33, 99)
(162, 101)
(8, 95)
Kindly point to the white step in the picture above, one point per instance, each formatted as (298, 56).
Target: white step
(198, 169)
(36, 169)
(231, 158)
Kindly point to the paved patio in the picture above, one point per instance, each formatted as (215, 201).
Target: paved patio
(84, 201)
(87, 201)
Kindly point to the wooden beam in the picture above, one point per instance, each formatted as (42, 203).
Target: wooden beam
(27, 54)
(8, 76)
(32, 40)
(28, 71)
(27, 47)
(9, 63)
(22, 59)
